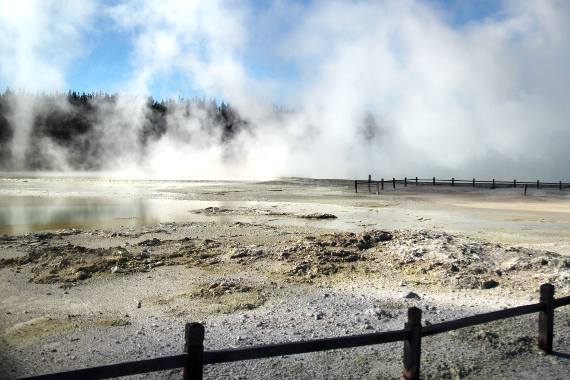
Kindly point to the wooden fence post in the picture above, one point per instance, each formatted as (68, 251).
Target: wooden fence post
(434, 181)
(194, 335)
(413, 346)
(369, 180)
(560, 185)
(515, 183)
(493, 183)
(382, 184)
(356, 186)
(394, 183)
(525, 187)
(537, 184)
(546, 318)
(473, 182)
(416, 181)
(405, 181)
(452, 182)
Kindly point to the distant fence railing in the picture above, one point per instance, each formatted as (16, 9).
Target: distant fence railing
(194, 358)
(375, 185)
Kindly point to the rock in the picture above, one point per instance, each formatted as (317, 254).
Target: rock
(239, 252)
(138, 303)
(412, 295)
(371, 312)
(380, 313)
(81, 275)
(150, 243)
(316, 215)
(144, 255)
(24, 261)
(489, 284)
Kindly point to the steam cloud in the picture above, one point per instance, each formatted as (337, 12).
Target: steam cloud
(391, 88)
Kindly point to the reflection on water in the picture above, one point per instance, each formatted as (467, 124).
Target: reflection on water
(29, 213)
(23, 214)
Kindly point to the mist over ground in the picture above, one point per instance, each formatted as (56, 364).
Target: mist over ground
(392, 88)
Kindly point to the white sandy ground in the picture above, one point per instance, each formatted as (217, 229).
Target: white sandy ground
(47, 328)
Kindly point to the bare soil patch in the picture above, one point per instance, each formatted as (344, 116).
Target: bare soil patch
(79, 297)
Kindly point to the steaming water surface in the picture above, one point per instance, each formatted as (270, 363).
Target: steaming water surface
(33, 204)
(26, 214)
(29, 203)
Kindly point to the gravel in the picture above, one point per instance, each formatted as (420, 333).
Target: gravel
(256, 282)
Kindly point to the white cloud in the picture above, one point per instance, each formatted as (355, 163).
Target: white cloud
(40, 40)
(487, 96)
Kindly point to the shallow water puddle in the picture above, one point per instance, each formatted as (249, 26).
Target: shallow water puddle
(32, 213)
(24, 214)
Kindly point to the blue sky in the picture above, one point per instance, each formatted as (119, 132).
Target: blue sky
(474, 87)
(103, 52)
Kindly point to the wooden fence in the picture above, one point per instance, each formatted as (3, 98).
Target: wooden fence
(194, 358)
(493, 184)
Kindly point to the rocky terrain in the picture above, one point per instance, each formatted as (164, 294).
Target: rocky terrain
(80, 297)
(266, 284)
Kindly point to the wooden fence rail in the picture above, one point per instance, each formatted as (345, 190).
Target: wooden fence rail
(379, 185)
(195, 357)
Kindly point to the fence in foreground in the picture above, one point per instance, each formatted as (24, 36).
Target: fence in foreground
(194, 358)
(493, 184)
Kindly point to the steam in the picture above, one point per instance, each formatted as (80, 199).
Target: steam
(392, 88)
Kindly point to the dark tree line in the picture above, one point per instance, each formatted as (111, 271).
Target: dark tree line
(90, 132)
(74, 123)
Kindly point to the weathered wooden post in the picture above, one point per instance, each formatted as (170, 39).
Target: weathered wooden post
(369, 180)
(405, 181)
(493, 183)
(452, 182)
(473, 182)
(356, 186)
(194, 335)
(394, 183)
(382, 183)
(416, 181)
(546, 318)
(537, 184)
(560, 185)
(515, 183)
(434, 181)
(413, 346)
(525, 187)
